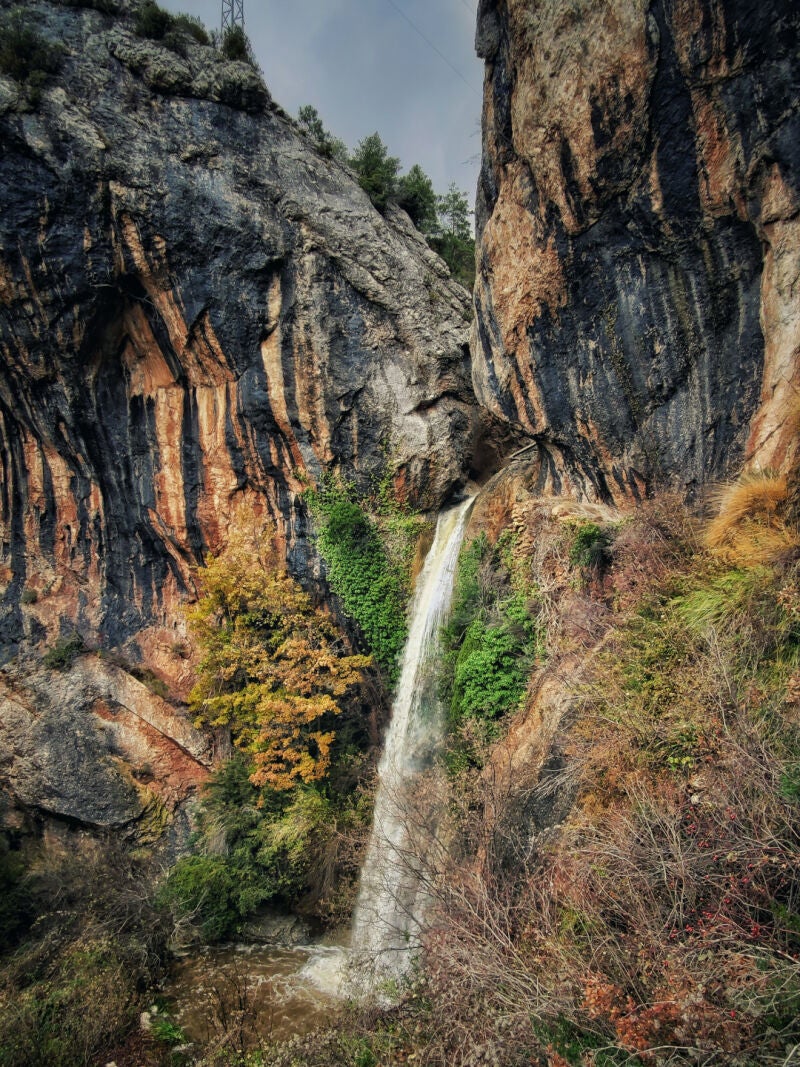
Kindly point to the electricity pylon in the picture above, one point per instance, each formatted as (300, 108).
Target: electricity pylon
(232, 14)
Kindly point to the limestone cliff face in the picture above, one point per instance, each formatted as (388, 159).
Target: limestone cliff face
(639, 237)
(195, 310)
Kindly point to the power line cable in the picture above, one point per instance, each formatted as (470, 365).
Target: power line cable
(430, 44)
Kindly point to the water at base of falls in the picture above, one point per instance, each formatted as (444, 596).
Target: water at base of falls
(254, 992)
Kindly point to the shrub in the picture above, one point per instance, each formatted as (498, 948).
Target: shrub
(152, 21)
(64, 653)
(192, 25)
(152, 681)
(29, 596)
(236, 46)
(589, 548)
(490, 672)
(157, 24)
(206, 889)
(25, 55)
(491, 636)
(268, 848)
(183, 27)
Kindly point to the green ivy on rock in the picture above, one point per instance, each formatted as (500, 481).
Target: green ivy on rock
(367, 551)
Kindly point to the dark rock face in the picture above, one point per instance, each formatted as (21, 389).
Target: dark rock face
(638, 237)
(93, 746)
(197, 314)
(195, 309)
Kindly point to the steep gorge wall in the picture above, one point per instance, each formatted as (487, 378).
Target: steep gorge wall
(639, 238)
(195, 307)
(196, 311)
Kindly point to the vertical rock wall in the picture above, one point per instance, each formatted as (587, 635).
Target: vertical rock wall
(639, 249)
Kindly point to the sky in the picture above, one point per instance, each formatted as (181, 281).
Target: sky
(365, 67)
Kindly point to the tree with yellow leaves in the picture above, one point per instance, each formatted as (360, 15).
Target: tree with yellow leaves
(272, 668)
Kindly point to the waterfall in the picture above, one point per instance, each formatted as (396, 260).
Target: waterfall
(393, 893)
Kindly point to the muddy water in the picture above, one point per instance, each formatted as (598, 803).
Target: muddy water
(249, 993)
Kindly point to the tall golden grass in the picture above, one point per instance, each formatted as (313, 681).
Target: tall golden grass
(751, 527)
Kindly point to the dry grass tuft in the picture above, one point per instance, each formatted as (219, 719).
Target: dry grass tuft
(750, 526)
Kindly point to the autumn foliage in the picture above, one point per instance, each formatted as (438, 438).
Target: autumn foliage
(273, 667)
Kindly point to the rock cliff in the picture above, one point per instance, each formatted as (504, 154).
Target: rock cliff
(196, 310)
(639, 237)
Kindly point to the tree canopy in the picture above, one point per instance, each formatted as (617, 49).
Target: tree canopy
(272, 667)
(454, 241)
(454, 212)
(376, 170)
(415, 194)
(309, 121)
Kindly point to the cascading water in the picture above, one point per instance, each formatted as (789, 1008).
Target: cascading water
(392, 898)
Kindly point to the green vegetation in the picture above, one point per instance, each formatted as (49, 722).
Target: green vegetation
(416, 196)
(259, 846)
(236, 46)
(152, 21)
(376, 170)
(206, 888)
(193, 26)
(589, 548)
(25, 54)
(368, 548)
(453, 240)
(165, 1030)
(64, 653)
(75, 971)
(326, 144)
(144, 675)
(491, 639)
(157, 24)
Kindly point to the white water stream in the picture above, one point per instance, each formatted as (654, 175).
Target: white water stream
(394, 880)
